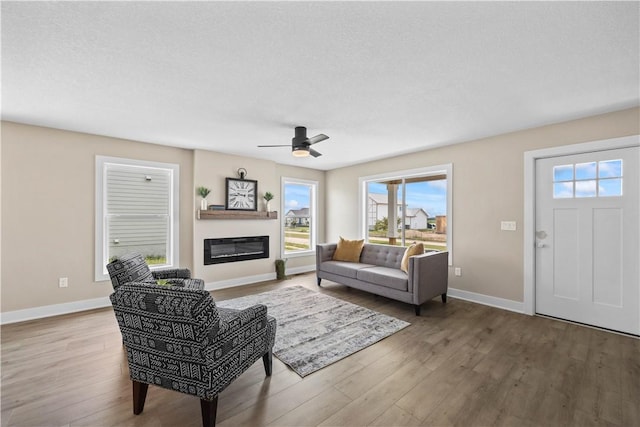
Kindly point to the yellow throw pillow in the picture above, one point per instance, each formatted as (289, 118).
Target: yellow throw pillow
(413, 249)
(348, 250)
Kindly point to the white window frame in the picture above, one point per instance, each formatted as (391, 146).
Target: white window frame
(313, 213)
(101, 249)
(446, 169)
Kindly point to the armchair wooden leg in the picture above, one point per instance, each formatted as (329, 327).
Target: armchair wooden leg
(139, 396)
(444, 298)
(209, 410)
(417, 309)
(267, 360)
(319, 280)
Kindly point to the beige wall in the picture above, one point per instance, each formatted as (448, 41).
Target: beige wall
(47, 199)
(210, 170)
(488, 182)
(48, 212)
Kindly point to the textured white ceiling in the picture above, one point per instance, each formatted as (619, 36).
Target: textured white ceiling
(380, 78)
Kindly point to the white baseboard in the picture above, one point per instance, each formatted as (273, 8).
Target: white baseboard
(300, 270)
(239, 281)
(505, 304)
(250, 280)
(53, 310)
(90, 304)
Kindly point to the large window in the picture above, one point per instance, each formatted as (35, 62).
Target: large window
(299, 217)
(136, 211)
(403, 207)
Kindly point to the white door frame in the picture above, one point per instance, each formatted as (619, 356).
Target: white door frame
(530, 158)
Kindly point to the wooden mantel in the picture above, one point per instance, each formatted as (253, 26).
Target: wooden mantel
(221, 214)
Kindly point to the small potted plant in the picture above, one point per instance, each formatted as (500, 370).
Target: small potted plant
(203, 192)
(280, 269)
(268, 196)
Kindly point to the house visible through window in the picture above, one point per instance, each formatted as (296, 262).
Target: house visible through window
(409, 206)
(299, 218)
(136, 211)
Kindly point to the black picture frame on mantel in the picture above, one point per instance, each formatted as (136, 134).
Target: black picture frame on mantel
(241, 194)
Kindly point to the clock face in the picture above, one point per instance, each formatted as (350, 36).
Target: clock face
(241, 194)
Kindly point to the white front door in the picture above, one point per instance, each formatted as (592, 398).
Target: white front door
(588, 238)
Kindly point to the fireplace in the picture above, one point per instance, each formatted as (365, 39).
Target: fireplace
(232, 249)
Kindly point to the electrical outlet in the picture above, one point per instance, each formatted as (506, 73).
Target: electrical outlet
(63, 282)
(458, 271)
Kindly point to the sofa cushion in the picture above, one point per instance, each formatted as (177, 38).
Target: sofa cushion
(348, 250)
(382, 255)
(413, 249)
(347, 269)
(384, 276)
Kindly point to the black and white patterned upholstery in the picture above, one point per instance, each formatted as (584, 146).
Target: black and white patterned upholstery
(176, 338)
(133, 268)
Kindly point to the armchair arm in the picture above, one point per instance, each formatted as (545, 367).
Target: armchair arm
(241, 340)
(428, 276)
(234, 320)
(172, 273)
(236, 323)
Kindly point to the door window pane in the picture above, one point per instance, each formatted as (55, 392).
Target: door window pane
(586, 170)
(610, 169)
(591, 179)
(610, 187)
(586, 188)
(563, 190)
(563, 173)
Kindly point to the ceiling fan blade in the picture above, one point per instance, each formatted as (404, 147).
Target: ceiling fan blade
(317, 138)
(284, 145)
(314, 153)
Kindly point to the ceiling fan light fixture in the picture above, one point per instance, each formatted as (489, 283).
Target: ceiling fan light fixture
(300, 152)
(300, 144)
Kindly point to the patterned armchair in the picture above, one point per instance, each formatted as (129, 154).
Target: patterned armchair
(178, 339)
(133, 268)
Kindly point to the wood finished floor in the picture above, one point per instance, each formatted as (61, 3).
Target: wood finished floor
(459, 364)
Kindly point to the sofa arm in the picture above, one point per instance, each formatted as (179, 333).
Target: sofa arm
(428, 276)
(324, 252)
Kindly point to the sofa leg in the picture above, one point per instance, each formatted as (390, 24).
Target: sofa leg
(267, 360)
(444, 298)
(209, 408)
(417, 308)
(319, 280)
(139, 396)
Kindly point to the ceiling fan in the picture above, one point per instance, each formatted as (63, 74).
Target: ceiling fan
(301, 145)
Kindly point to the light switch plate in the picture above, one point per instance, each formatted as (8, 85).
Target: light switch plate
(508, 225)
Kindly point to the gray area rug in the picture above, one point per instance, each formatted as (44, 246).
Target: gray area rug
(316, 330)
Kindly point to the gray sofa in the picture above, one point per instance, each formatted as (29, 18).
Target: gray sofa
(379, 272)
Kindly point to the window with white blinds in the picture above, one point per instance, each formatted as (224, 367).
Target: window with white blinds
(136, 211)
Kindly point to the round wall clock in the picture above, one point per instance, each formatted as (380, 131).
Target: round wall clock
(241, 194)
